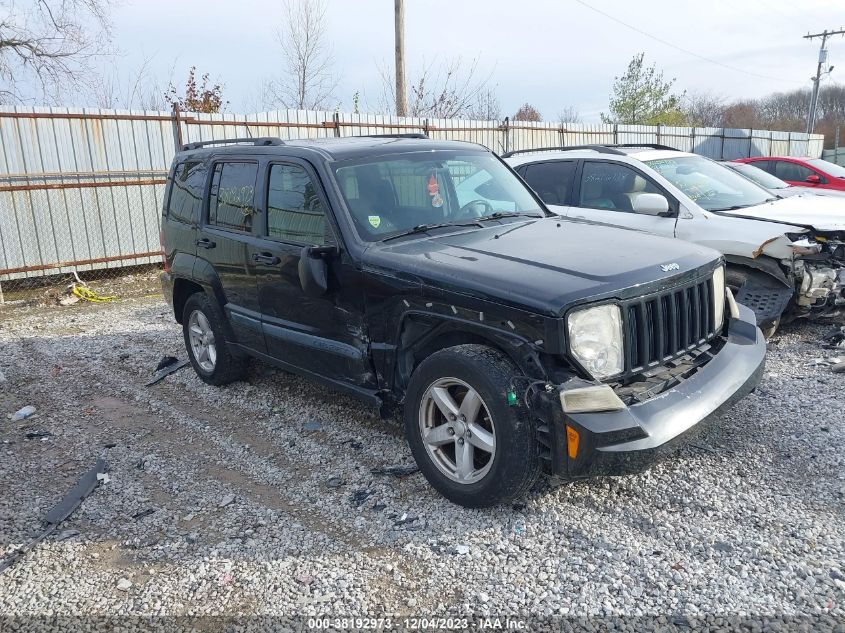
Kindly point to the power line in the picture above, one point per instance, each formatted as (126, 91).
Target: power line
(684, 50)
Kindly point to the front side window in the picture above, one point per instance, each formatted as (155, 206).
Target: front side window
(231, 202)
(390, 195)
(186, 192)
(786, 170)
(552, 181)
(762, 178)
(295, 212)
(612, 186)
(712, 186)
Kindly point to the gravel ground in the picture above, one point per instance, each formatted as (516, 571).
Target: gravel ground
(263, 501)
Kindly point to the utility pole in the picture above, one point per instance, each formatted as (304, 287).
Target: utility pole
(814, 98)
(401, 97)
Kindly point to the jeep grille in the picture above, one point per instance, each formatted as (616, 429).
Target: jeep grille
(667, 324)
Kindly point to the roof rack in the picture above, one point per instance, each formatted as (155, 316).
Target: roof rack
(408, 135)
(601, 149)
(648, 145)
(263, 140)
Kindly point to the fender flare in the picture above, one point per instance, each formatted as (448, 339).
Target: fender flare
(420, 330)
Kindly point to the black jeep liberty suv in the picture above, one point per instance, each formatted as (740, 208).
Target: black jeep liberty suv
(426, 275)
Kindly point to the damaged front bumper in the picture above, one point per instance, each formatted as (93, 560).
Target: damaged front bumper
(628, 439)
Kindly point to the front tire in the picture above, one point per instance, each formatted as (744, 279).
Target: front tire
(202, 328)
(472, 446)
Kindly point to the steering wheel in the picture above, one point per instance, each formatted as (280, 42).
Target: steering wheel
(468, 210)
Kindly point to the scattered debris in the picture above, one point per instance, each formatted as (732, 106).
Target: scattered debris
(379, 507)
(823, 362)
(110, 445)
(227, 500)
(81, 290)
(23, 414)
(189, 517)
(304, 579)
(34, 435)
(313, 425)
(834, 339)
(703, 447)
(166, 361)
(68, 300)
(124, 584)
(335, 482)
(721, 546)
(404, 520)
(103, 478)
(519, 526)
(66, 534)
(70, 502)
(166, 370)
(462, 549)
(143, 513)
(838, 368)
(360, 496)
(353, 443)
(396, 471)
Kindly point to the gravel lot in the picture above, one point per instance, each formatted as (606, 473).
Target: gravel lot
(247, 518)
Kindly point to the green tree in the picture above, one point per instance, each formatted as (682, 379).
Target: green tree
(642, 97)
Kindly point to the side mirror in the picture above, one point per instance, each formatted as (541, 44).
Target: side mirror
(814, 179)
(650, 204)
(314, 270)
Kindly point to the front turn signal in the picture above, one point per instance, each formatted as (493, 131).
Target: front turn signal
(572, 440)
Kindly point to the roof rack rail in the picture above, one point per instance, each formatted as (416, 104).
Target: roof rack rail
(648, 145)
(407, 135)
(601, 149)
(262, 140)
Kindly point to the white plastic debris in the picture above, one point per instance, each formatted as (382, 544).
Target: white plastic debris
(226, 500)
(23, 414)
(462, 549)
(124, 584)
(103, 478)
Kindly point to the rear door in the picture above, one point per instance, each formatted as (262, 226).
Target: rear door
(325, 335)
(605, 192)
(182, 214)
(224, 242)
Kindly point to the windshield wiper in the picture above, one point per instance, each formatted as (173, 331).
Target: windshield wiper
(424, 228)
(508, 214)
(737, 206)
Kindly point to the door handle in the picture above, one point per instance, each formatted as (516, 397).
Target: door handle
(265, 258)
(205, 243)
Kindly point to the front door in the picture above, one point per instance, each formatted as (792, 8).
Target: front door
(606, 193)
(325, 335)
(224, 242)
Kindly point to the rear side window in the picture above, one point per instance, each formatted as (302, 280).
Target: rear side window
(231, 203)
(765, 165)
(295, 212)
(792, 171)
(186, 192)
(552, 181)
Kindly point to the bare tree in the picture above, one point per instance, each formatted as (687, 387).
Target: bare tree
(527, 112)
(569, 114)
(448, 89)
(308, 82)
(487, 106)
(136, 89)
(49, 44)
(703, 109)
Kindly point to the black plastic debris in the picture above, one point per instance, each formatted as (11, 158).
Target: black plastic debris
(379, 507)
(353, 443)
(360, 496)
(165, 369)
(143, 513)
(396, 471)
(405, 520)
(34, 435)
(62, 510)
(166, 361)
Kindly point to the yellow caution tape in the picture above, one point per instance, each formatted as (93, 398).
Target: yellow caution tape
(89, 295)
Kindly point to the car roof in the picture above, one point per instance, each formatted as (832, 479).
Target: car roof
(338, 148)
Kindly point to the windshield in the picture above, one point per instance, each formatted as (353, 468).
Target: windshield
(712, 186)
(395, 194)
(837, 171)
(762, 178)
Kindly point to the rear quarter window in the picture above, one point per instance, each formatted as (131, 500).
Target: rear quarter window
(186, 192)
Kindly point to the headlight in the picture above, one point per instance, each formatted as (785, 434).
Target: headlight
(595, 339)
(719, 296)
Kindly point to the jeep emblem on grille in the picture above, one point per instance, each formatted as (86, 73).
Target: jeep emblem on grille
(667, 267)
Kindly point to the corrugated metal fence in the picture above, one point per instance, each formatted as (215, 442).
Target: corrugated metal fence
(81, 189)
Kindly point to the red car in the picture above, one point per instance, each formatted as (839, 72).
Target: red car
(806, 172)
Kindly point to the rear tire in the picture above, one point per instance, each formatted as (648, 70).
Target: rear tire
(735, 279)
(206, 344)
(488, 456)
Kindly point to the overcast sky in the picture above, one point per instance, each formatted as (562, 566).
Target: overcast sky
(549, 53)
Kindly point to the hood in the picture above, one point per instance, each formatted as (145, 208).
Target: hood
(797, 190)
(823, 213)
(543, 265)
